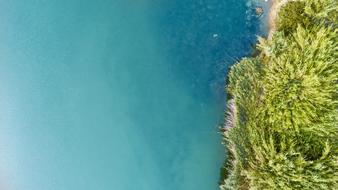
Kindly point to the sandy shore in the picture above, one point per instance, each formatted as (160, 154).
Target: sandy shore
(275, 6)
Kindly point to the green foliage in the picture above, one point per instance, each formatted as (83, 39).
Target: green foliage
(326, 10)
(245, 88)
(308, 14)
(284, 132)
(291, 15)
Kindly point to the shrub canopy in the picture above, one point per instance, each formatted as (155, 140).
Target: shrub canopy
(285, 119)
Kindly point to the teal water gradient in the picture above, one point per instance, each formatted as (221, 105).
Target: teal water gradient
(116, 94)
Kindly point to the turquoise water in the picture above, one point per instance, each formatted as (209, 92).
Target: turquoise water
(116, 94)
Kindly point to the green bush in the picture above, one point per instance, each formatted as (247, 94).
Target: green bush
(291, 15)
(282, 128)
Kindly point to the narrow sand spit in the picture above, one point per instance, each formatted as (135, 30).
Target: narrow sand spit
(275, 6)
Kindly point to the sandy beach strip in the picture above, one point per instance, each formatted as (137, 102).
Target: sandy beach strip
(275, 6)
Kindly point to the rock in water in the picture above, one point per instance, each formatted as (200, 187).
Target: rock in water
(259, 11)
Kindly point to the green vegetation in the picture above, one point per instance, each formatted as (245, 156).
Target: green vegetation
(281, 131)
(292, 15)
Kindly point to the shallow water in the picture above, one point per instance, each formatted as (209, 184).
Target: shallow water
(116, 94)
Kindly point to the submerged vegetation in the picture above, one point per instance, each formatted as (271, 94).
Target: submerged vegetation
(281, 131)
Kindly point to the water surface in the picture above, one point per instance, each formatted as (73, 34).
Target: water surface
(116, 94)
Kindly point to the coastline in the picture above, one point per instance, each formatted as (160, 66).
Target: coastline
(275, 6)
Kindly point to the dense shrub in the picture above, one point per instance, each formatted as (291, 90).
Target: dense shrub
(282, 130)
(291, 15)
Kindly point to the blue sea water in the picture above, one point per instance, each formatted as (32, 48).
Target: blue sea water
(116, 94)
